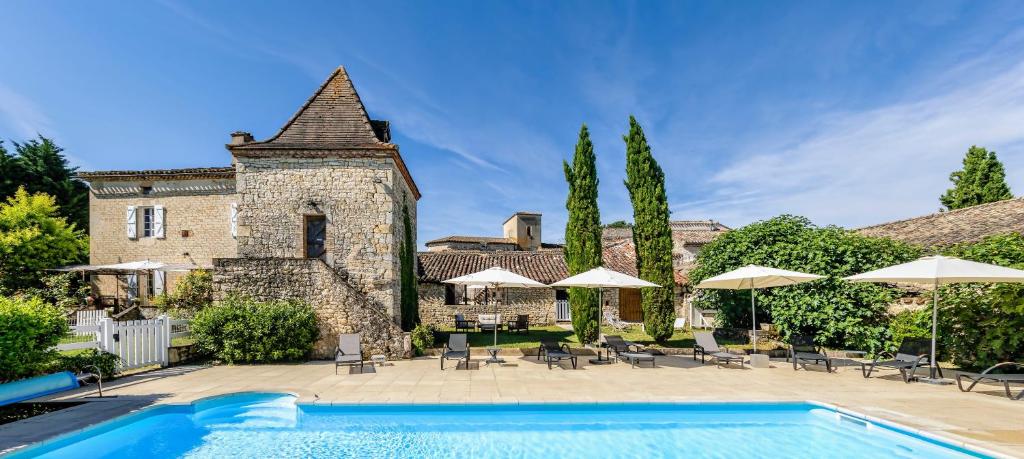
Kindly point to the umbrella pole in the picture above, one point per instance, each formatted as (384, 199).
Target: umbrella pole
(600, 314)
(497, 295)
(935, 321)
(753, 320)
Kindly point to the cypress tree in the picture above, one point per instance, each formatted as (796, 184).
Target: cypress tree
(583, 235)
(651, 232)
(410, 308)
(982, 180)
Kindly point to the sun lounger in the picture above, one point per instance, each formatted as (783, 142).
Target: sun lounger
(522, 323)
(551, 351)
(349, 352)
(457, 349)
(461, 324)
(634, 358)
(803, 350)
(707, 346)
(487, 322)
(616, 344)
(614, 322)
(912, 354)
(988, 376)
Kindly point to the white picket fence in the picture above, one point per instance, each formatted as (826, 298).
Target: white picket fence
(138, 343)
(562, 313)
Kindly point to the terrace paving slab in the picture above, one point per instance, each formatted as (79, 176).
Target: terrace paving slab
(985, 419)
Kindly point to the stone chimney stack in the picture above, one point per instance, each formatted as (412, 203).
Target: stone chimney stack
(240, 137)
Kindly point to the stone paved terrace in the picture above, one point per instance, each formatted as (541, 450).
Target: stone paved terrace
(986, 419)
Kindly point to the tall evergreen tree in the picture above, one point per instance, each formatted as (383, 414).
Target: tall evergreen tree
(651, 232)
(983, 179)
(44, 169)
(410, 308)
(583, 235)
(12, 174)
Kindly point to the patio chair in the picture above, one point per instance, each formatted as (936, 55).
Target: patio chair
(803, 350)
(488, 322)
(461, 324)
(618, 345)
(615, 322)
(457, 349)
(912, 354)
(349, 352)
(707, 346)
(553, 352)
(521, 324)
(988, 376)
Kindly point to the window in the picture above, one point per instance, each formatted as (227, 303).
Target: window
(316, 235)
(150, 286)
(147, 222)
(147, 190)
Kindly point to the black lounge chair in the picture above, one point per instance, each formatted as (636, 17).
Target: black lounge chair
(803, 350)
(987, 376)
(461, 324)
(618, 345)
(349, 352)
(912, 354)
(457, 349)
(522, 323)
(553, 352)
(707, 346)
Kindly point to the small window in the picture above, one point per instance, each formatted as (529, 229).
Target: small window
(561, 295)
(151, 285)
(147, 190)
(147, 222)
(316, 236)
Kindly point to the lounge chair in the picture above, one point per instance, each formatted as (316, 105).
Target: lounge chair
(553, 352)
(986, 376)
(522, 323)
(457, 349)
(615, 322)
(912, 354)
(707, 346)
(616, 344)
(349, 352)
(487, 322)
(679, 324)
(802, 351)
(461, 324)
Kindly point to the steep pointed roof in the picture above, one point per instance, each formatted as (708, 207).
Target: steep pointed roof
(334, 116)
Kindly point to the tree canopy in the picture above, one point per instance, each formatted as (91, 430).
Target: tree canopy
(583, 235)
(39, 166)
(982, 180)
(838, 313)
(34, 237)
(651, 233)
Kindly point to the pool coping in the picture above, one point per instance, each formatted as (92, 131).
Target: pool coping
(947, 440)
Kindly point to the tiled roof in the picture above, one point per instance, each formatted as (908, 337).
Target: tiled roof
(619, 256)
(542, 266)
(683, 232)
(472, 240)
(156, 174)
(956, 226)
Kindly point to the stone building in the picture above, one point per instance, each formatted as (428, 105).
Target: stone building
(315, 212)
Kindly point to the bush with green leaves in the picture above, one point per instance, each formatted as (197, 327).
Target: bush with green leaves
(64, 290)
(192, 292)
(88, 361)
(241, 330)
(983, 324)
(29, 330)
(909, 324)
(423, 338)
(838, 313)
(33, 238)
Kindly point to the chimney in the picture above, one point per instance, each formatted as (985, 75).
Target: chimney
(240, 137)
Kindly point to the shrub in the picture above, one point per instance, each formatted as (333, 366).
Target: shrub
(194, 291)
(30, 330)
(107, 363)
(909, 324)
(33, 238)
(241, 330)
(65, 290)
(423, 338)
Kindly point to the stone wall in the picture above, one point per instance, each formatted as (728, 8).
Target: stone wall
(538, 303)
(339, 305)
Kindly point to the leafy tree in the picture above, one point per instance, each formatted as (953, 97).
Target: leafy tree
(583, 235)
(838, 313)
(192, 292)
(980, 324)
(41, 167)
(983, 179)
(651, 233)
(31, 329)
(12, 174)
(410, 308)
(619, 224)
(34, 238)
(64, 290)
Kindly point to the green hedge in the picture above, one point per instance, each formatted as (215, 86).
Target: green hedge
(240, 330)
(107, 363)
(30, 330)
(423, 338)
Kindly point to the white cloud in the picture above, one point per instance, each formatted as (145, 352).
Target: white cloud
(22, 117)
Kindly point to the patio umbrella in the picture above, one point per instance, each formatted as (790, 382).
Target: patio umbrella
(496, 277)
(939, 270)
(600, 278)
(754, 277)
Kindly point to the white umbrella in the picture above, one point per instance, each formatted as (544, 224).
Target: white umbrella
(754, 277)
(939, 270)
(601, 278)
(496, 277)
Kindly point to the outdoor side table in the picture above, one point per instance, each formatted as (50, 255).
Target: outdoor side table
(493, 351)
(379, 360)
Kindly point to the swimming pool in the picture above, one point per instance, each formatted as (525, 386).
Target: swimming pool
(252, 425)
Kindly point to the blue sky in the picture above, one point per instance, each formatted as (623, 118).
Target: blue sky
(849, 113)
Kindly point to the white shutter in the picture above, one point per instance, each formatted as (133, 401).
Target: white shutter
(132, 280)
(158, 221)
(158, 282)
(234, 219)
(131, 223)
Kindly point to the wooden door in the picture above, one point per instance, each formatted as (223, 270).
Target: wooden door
(629, 305)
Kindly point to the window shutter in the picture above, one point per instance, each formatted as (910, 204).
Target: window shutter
(158, 282)
(132, 281)
(158, 221)
(234, 219)
(131, 223)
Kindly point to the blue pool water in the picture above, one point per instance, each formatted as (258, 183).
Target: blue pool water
(273, 425)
